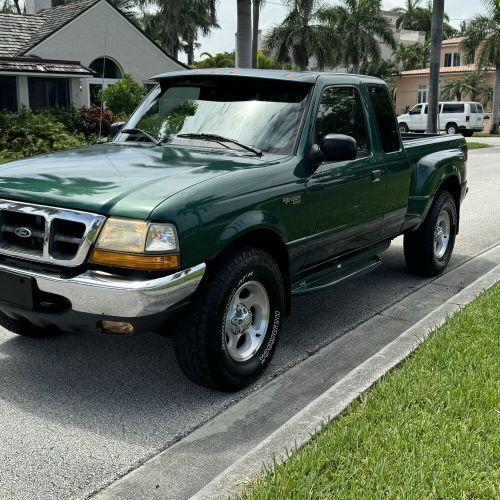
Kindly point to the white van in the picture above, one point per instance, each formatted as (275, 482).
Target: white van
(454, 117)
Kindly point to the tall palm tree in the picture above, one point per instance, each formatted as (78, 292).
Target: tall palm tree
(414, 56)
(436, 43)
(244, 34)
(303, 35)
(256, 6)
(482, 44)
(176, 24)
(361, 26)
(407, 15)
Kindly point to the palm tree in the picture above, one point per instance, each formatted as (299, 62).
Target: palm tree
(471, 84)
(303, 35)
(414, 56)
(176, 24)
(407, 15)
(482, 44)
(256, 6)
(244, 34)
(219, 60)
(361, 26)
(436, 42)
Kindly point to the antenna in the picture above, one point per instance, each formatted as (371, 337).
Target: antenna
(103, 74)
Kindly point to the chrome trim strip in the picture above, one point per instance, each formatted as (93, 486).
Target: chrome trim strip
(97, 292)
(92, 222)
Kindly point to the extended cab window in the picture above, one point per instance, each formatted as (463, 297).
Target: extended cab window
(386, 119)
(341, 112)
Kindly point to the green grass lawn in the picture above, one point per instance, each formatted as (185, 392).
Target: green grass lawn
(428, 429)
(485, 134)
(477, 145)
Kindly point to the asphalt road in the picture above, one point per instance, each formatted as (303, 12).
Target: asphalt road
(77, 412)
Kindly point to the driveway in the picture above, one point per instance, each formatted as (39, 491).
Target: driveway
(76, 412)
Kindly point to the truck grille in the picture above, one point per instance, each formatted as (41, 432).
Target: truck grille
(47, 234)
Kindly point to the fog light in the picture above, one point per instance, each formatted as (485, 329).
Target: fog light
(117, 327)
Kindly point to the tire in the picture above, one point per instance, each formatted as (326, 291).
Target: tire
(240, 293)
(25, 328)
(427, 250)
(403, 128)
(452, 128)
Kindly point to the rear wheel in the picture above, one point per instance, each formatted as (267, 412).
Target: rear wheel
(25, 328)
(452, 128)
(428, 250)
(231, 333)
(403, 128)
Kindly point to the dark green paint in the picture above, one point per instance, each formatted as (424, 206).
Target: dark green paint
(214, 197)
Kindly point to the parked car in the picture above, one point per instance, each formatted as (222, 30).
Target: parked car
(454, 117)
(226, 193)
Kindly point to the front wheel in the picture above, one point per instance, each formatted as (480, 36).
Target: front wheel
(231, 333)
(403, 128)
(428, 250)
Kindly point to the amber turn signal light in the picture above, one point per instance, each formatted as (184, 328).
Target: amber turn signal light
(133, 261)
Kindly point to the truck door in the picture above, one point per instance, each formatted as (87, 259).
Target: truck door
(397, 165)
(415, 122)
(346, 198)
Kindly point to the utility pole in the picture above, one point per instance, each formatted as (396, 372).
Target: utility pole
(436, 42)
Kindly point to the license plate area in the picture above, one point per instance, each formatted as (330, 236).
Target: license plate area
(16, 290)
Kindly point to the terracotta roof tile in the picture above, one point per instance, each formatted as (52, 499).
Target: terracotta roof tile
(452, 41)
(444, 69)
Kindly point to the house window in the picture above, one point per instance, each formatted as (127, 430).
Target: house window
(422, 94)
(106, 68)
(48, 92)
(8, 93)
(452, 59)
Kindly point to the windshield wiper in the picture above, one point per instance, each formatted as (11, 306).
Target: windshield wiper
(220, 138)
(152, 138)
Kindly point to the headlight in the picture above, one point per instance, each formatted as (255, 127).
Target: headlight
(137, 244)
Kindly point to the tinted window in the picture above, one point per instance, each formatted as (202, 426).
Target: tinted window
(453, 108)
(386, 120)
(8, 93)
(473, 108)
(416, 110)
(426, 107)
(48, 92)
(479, 108)
(447, 60)
(341, 112)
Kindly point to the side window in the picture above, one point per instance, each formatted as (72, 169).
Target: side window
(479, 108)
(426, 108)
(473, 108)
(386, 119)
(453, 108)
(341, 112)
(416, 110)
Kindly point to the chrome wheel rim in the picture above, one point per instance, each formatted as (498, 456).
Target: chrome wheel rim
(246, 321)
(451, 131)
(442, 234)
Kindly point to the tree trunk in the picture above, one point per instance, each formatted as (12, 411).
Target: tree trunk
(436, 42)
(255, 31)
(244, 34)
(190, 54)
(18, 8)
(495, 111)
(355, 67)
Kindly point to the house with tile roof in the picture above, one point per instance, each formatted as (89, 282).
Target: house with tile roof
(64, 55)
(413, 85)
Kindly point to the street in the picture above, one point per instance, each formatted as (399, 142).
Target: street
(77, 412)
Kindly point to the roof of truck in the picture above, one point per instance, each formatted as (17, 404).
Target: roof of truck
(275, 74)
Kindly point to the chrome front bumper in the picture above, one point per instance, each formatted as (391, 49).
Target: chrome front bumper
(100, 293)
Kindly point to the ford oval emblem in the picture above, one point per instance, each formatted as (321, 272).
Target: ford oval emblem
(23, 232)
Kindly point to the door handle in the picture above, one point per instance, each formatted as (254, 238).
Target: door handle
(376, 175)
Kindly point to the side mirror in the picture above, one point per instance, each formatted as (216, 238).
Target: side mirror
(115, 128)
(338, 147)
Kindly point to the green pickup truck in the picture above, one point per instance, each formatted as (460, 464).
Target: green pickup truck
(227, 192)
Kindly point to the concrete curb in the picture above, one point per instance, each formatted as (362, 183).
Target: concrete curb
(299, 429)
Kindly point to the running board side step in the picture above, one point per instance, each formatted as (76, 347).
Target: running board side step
(334, 275)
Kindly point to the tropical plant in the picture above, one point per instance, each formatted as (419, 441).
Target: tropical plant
(123, 96)
(244, 34)
(176, 24)
(128, 7)
(95, 121)
(436, 43)
(8, 7)
(482, 45)
(256, 6)
(219, 60)
(487, 96)
(413, 56)
(303, 34)
(471, 84)
(360, 26)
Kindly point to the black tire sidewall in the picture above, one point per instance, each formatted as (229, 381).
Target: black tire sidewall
(446, 203)
(274, 288)
(454, 125)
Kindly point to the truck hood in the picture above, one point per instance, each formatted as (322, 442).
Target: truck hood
(114, 179)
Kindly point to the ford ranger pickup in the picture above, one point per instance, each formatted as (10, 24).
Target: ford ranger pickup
(226, 193)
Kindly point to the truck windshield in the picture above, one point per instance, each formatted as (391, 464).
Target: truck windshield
(260, 114)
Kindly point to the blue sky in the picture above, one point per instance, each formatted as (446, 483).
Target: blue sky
(274, 11)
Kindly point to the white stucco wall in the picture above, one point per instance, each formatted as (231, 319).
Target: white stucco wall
(83, 39)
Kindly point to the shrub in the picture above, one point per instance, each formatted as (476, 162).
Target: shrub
(90, 118)
(69, 116)
(31, 133)
(124, 96)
